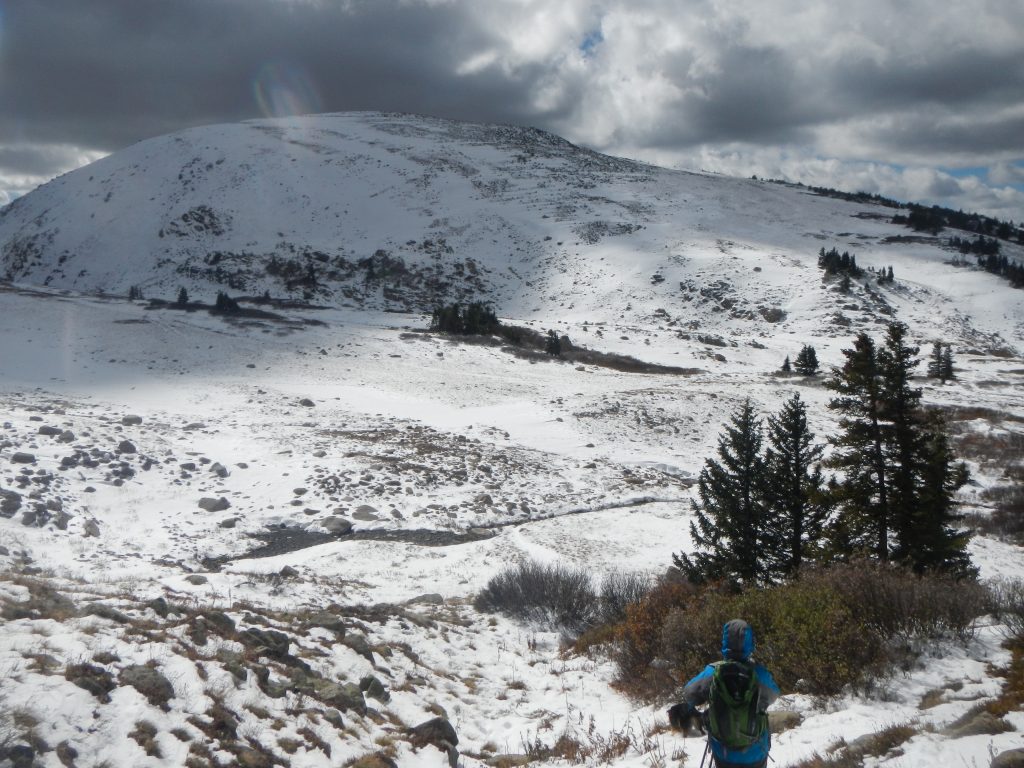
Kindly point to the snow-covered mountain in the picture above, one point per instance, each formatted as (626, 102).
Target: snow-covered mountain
(147, 454)
(399, 212)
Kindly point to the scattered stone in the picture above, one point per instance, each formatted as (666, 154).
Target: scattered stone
(214, 505)
(319, 454)
(299, 491)
(61, 520)
(288, 572)
(91, 529)
(365, 513)
(159, 606)
(229, 522)
(374, 688)
(10, 502)
(196, 579)
(437, 732)
(221, 623)
(333, 717)
(360, 645)
(430, 598)
(194, 425)
(188, 466)
(343, 696)
(50, 431)
(1012, 758)
(131, 421)
(327, 620)
(126, 446)
(150, 683)
(20, 457)
(306, 402)
(19, 756)
(66, 754)
(67, 436)
(266, 642)
(219, 469)
(339, 526)
(783, 720)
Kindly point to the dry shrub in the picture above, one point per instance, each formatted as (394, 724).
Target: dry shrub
(1008, 607)
(832, 628)
(553, 595)
(1006, 520)
(619, 590)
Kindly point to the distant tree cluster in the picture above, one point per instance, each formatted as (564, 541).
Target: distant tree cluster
(806, 361)
(980, 246)
(935, 218)
(1002, 266)
(475, 318)
(553, 345)
(835, 263)
(225, 303)
(763, 513)
(940, 362)
(135, 293)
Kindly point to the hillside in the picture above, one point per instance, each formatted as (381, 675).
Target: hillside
(375, 477)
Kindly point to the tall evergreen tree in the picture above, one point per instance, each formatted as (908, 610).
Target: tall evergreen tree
(935, 361)
(786, 367)
(182, 297)
(863, 495)
(797, 505)
(729, 531)
(946, 366)
(807, 361)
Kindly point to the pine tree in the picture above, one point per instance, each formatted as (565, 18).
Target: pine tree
(797, 505)
(901, 433)
(729, 534)
(935, 361)
(807, 361)
(553, 346)
(863, 495)
(182, 297)
(786, 367)
(946, 367)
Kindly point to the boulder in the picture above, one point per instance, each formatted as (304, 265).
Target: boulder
(67, 436)
(366, 513)
(288, 572)
(130, 420)
(149, 682)
(126, 446)
(214, 505)
(341, 696)
(327, 620)
(10, 502)
(360, 645)
(430, 598)
(1012, 758)
(266, 642)
(91, 529)
(20, 457)
(61, 520)
(228, 522)
(374, 688)
(306, 403)
(437, 732)
(159, 606)
(91, 678)
(337, 525)
(50, 431)
(219, 469)
(196, 579)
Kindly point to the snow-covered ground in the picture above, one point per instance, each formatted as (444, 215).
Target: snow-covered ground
(451, 460)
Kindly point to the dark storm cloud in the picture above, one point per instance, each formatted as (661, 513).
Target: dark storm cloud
(104, 74)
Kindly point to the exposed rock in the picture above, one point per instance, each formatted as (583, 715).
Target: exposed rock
(219, 469)
(430, 598)
(130, 420)
(782, 720)
(228, 522)
(150, 683)
(1012, 758)
(10, 502)
(19, 756)
(360, 645)
(299, 491)
(327, 620)
(306, 402)
(366, 513)
(126, 446)
(91, 529)
(196, 579)
(374, 688)
(67, 436)
(339, 526)
(222, 624)
(214, 505)
(50, 431)
(20, 457)
(266, 642)
(333, 717)
(159, 606)
(341, 696)
(61, 520)
(437, 732)
(288, 572)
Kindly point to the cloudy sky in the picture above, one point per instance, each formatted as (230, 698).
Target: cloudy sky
(912, 99)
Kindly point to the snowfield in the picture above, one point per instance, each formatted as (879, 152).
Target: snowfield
(447, 460)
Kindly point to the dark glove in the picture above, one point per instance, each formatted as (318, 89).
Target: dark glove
(684, 717)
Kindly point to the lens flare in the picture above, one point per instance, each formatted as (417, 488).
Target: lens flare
(282, 89)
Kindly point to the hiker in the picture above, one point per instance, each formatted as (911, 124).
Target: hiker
(737, 691)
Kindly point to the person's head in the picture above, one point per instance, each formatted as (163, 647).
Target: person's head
(737, 640)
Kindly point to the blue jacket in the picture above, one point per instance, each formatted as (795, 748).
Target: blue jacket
(737, 645)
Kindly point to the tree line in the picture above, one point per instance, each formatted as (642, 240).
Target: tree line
(764, 508)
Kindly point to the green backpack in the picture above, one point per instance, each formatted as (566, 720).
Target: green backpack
(733, 719)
